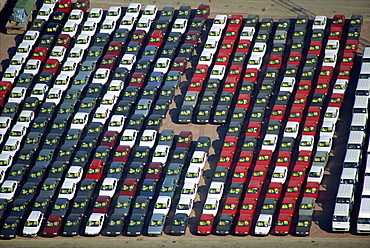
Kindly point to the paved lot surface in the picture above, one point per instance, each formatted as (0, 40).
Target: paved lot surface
(320, 231)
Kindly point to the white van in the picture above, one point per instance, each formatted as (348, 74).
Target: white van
(345, 194)
(363, 220)
(363, 87)
(359, 122)
(365, 70)
(366, 55)
(366, 187)
(341, 218)
(361, 104)
(349, 176)
(356, 140)
(352, 158)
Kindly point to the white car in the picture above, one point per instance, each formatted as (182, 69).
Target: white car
(83, 41)
(324, 144)
(24, 49)
(80, 121)
(128, 61)
(101, 76)
(280, 174)
(247, 33)
(220, 21)
(150, 12)
(5, 123)
(148, 138)
(69, 68)
(109, 101)
(101, 115)
(259, 49)
(68, 190)
(51, 3)
(26, 117)
(327, 129)
(116, 87)
(44, 13)
(17, 94)
(11, 147)
(108, 26)
(330, 59)
(76, 16)
(94, 224)
(332, 47)
(206, 58)
(32, 66)
(215, 33)
(263, 224)
(108, 187)
(76, 54)
(316, 174)
(211, 206)
(218, 72)
(10, 74)
(18, 61)
(54, 95)
(180, 25)
(306, 143)
(114, 13)
(287, 84)
(254, 62)
(6, 161)
(128, 22)
(162, 205)
(331, 114)
(193, 174)
(58, 53)
(291, 129)
(33, 224)
(216, 190)
(185, 205)
(8, 189)
(161, 153)
(62, 82)
(128, 138)
(319, 23)
(199, 159)
(96, 15)
(211, 45)
(143, 107)
(116, 123)
(133, 9)
(162, 65)
(71, 28)
(269, 142)
(144, 23)
(340, 86)
(74, 174)
(189, 189)
(19, 130)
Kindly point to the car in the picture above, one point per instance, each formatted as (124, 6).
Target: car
(10, 227)
(33, 224)
(114, 224)
(319, 22)
(108, 26)
(114, 13)
(211, 206)
(179, 224)
(94, 224)
(303, 225)
(53, 225)
(135, 225)
(67, 190)
(162, 205)
(141, 205)
(8, 189)
(144, 24)
(205, 224)
(129, 187)
(263, 224)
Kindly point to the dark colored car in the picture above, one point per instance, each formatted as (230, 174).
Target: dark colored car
(135, 225)
(19, 208)
(80, 205)
(72, 225)
(224, 224)
(220, 174)
(203, 144)
(303, 225)
(135, 170)
(61, 206)
(10, 227)
(122, 205)
(114, 224)
(179, 224)
(141, 205)
(87, 188)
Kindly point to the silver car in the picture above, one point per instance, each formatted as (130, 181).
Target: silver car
(156, 224)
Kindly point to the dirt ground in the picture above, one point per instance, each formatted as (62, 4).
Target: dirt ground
(264, 8)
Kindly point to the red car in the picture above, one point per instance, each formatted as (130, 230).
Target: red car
(253, 129)
(313, 114)
(109, 62)
(179, 64)
(274, 190)
(96, 169)
(235, 71)
(64, 5)
(253, 191)
(338, 21)
(283, 224)
(231, 206)
(231, 33)
(351, 46)
(102, 204)
(251, 75)
(288, 205)
(109, 139)
(244, 46)
(296, 114)
(249, 204)
(244, 101)
(203, 11)
(230, 143)
(205, 224)
(264, 157)
(304, 86)
(309, 128)
(335, 33)
(336, 100)
(275, 61)
(230, 85)
(312, 190)
(300, 100)
(259, 172)
(278, 112)
(298, 173)
(154, 171)
(240, 174)
(315, 48)
(53, 225)
(122, 154)
(52, 65)
(303, 158)
(223, 58)
(129, 187)
(245, 159)
(139, 36)
(225, 159)
(115, 48)
(244, 224)
(283, 158)
(326, 72)
(5, 88)
(344, 72)
(322, 86)
(156, 39)
(193, 37)
(196, 84)
(201, 71)
(137, 79)
(83, 5)
(294, 189)
(185, 139)
(236, 21)
(64, 40)
(295, 58)
(40, 53)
